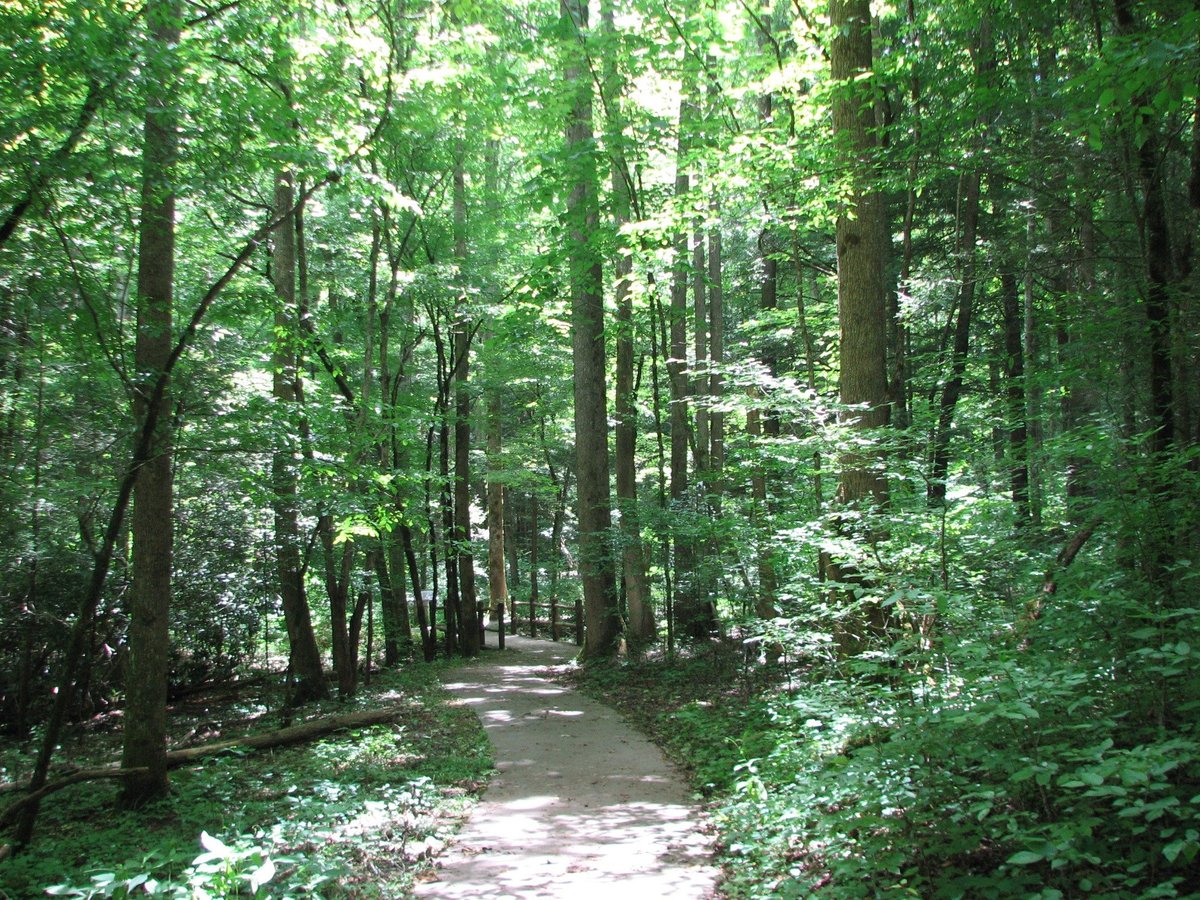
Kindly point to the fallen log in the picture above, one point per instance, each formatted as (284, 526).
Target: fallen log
(294, 734)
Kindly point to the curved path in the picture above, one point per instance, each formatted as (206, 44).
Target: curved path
(582, 805)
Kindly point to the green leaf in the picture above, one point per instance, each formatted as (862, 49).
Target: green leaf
(262, 875)
(212, 844)
(1025, 858)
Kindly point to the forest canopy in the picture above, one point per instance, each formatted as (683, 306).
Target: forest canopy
(863, 337)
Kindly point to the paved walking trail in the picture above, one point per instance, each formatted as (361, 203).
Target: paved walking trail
(583, 806)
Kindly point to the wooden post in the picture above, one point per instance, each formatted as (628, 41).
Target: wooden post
(500, 612)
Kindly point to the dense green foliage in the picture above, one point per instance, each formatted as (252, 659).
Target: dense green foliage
(970, 629)
(355, 814)
(1061, 760)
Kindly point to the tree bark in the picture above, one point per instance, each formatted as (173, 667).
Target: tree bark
(716, 350)
(692, 613)
(468, 605)
(534, 526)
(640, 627)
(862, 248)
(145, 721)
(1014, 372)
(952, 390)
(497, 575)
(597, 570)
(305, 662)
(73, 656)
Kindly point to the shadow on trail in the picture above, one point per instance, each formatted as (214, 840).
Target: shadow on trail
(582, 804)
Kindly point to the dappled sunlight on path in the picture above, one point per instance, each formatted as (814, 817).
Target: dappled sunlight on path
(582, 805)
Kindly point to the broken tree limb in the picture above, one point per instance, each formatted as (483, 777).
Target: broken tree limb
(294, 734)
(1066, 556)
(104, 772)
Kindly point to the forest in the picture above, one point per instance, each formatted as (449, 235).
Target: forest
(826, 370)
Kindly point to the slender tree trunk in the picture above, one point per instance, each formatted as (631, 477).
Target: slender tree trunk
(388, 565)
(597, 570)
(558, 545)
(765, 423)
(26, 615)
(952, 390)
(468, 605)
(145, 721)
(512, 536)
(428, 636)
(534, 527)
(305, 662)
(308, 680)
(74, 658)
(452, 597)
(699, 386)
(901, 413)
(497, 576)
(716, 349)
(1014, 371)
(692, 612)
(640, 628)
(658, 345)
(337, 589)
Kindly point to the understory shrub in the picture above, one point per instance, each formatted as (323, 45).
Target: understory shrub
(1056, 761)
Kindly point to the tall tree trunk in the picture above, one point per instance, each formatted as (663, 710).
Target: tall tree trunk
(452, 596)
(597, 569)
(898, 336)
(512, 535)
(145, 721)
(699, 385)
(952, 390)
(1014, 371)
(534, 574)
(337, 589)
(389, 568)
(640, 628)
(468, 604)
(497, 576)
(716, 350)
(765, 422)
(692, 613)
(862, 249)
(305, 661)
(74, 658)
(1158, 256)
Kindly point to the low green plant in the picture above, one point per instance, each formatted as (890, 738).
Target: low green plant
(309, 820)
(243, 867)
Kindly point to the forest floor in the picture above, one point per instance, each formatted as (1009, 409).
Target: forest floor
(582, 804)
